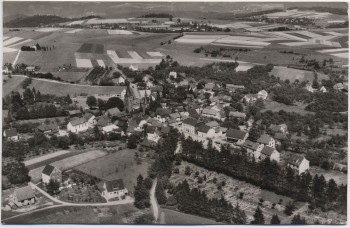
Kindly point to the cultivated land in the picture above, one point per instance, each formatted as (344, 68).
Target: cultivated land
(67, 163)
(171, 217)
(118, 165)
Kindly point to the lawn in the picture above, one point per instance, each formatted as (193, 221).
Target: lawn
(339, 177)
(171, 217)
(120, 164)
(275, 107)
(70, 76)
(45, 157)
(292, 74)
(67, 163)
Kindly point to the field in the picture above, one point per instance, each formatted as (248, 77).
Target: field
(121, 164)
(45, 157)
(79, 215)
(171, 217)
(339, 177)
(275, 107)
(293, 74)
(68, 163)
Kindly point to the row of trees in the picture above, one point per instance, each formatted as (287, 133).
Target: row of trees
(268, 175)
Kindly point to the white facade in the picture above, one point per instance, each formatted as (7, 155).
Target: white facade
(78, 128)
(209, 134)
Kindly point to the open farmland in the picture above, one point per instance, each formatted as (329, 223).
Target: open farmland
(293, 74)
(68, 163)
(172, 217)
(120, 164)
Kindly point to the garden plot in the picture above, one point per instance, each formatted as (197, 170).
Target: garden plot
(68, 163)
(119, 32)
(83, 63)
(48, 29)
(155, 54)
(74, 31)
(11, 41)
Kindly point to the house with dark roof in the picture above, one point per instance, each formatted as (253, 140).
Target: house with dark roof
(77, 125)
(239, 115)
(205, 131)
(74, 113)
(11, 134)
(112, 112)
(253, 149)
(271, 153)
(236, 136)
(267, 141)
(114, 189)
(23, 196)
(211, 113)
(282, 128)
(189, 125)
(193, 113)
(48, 129)
(51, 173)
(298, 163)
(90, 118)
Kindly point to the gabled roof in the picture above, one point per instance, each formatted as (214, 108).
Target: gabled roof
(163, 112)
(113, 111)
(213, 124)
(190, 121)
(264, 139)
(208, 111)
(48, 127)
(209, 86)
(11, 132)
(24, 193)
(87, 116)
(295, 159)
(175, 115)
(237, 114)
(267, 150)
(193, 113)
(48, 170)
(203, 128)
(103, 121)
(74, 112)
(157, 89)
(251, 145)
(77, 121)
(114, 185)
(236, 134)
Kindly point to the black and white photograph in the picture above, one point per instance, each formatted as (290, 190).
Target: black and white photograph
(174, 113)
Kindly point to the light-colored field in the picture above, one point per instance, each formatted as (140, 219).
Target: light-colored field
(134, 55)
(74, 31)
(84, 63)
(155, 54)
(293, 74)
(333, 50)
(106, 21)
(20, 43)
(68, 163)
(11, 41)
(297, 13)
(7, 49)
(288, 36)
(5, 37)
(119, 32)
(344, 55)
(76, 22)
(172, 217)
(120, 164)
(48, 29)
(276, 107)
(100, 62)
(45, 157)
(309, 34)
(243, 66)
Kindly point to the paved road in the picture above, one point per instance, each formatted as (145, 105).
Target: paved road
(154, 203)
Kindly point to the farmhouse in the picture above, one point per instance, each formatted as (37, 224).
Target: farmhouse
(74, 113)
(266, 140)
(262, 94)
(271, 153)
(109, 128)
(91, 119)
(118, 91)
(189, 125)
(236, 136)
(48, 129)
(298, 163)
(23, 196)
(51, 173)
(77, 125)
(11, 134)
(112, 112)
(211, 113)
(113, 189)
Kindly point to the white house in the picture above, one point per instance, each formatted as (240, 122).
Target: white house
(77, 125)
(154, 137)
(113, 189)
(118, 91)
(262, 94)
(250, 98)
(189, 125)
(271, 153)
(267, 141)
(109, 128)
(133, 68)
(173, 74)
(211, 113)
(51, 173)
(23, 196)
(205, 131)
(91, 119)
(323, 89)
(253, 149)
(298, 163)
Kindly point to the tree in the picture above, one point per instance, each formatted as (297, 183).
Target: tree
(298, 220)
(187, 170)
(101, 103)
(160, 195)
(132, 142)
(16, 172)
(114, 102)
(53, 187)
(258, 217)
(289, 208)
(91, 101)
(145, 219)
(275, 219)
(239, 216)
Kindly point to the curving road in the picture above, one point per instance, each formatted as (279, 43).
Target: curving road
(154, 203)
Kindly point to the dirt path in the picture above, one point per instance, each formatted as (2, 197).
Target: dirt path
(17, 56)
(154, 203)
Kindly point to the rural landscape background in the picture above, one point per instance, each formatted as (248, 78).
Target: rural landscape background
(175, 113)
